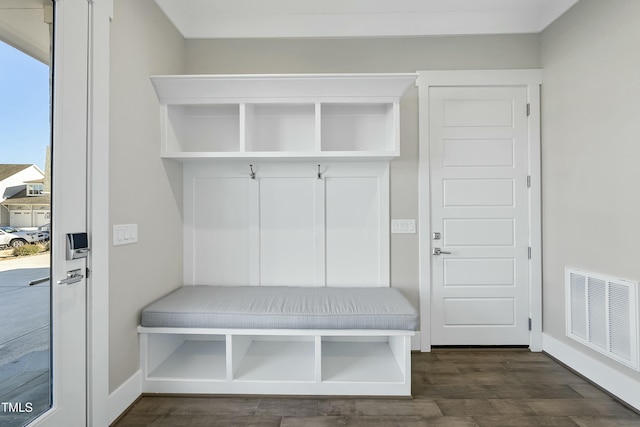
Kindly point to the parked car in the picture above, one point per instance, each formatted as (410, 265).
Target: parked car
(46, 229)
(8, 239)
(13, 237)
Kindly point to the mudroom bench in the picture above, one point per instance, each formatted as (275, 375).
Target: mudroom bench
(278, 340)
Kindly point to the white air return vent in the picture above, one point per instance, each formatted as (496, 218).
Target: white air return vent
(602, 313)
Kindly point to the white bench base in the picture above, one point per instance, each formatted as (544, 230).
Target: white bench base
(274, 361)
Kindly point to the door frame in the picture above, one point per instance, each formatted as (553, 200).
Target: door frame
(100, 16)
(532, 80)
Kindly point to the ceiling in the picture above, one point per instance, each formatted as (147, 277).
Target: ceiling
(359, 18)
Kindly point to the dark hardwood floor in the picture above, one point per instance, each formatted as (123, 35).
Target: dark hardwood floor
(471, 387)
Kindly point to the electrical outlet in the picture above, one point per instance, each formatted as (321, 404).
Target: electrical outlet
(403, 226)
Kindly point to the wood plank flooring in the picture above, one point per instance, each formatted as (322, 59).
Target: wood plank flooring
(471, 387)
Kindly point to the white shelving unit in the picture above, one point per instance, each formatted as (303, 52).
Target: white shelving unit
(314, 116)
(303, 362)
(284, 124)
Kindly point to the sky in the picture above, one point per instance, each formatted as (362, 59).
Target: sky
(24, 108)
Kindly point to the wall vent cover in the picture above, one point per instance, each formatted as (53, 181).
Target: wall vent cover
(602, 313)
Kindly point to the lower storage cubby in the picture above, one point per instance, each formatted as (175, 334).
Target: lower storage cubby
(370, 360)
(269, 358)
(300, 363)
(186, 357)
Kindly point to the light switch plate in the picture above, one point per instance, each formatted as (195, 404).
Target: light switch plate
(125, 234)
(403, 226)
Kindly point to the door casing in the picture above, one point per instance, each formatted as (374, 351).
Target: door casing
(531, 79)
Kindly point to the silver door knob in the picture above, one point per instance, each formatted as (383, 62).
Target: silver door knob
(438, 251)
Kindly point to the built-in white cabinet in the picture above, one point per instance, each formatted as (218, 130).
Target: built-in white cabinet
(297, 116)
(277, 362)
(298, 206)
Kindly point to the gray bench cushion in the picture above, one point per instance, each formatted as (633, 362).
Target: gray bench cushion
(282, 307)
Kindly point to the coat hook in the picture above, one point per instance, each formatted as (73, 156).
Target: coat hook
(253, 174)
(319, 173)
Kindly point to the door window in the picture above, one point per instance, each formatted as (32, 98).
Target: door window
(25, 289)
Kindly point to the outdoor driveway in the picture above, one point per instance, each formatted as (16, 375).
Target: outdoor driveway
(24, 309)
(24, 333)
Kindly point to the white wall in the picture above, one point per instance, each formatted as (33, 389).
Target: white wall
(590, 151)
(373, 55)
(144, 189)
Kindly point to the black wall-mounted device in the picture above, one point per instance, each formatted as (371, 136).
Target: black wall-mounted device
(77, 245)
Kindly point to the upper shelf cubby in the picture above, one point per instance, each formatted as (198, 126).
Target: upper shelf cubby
(276, 116)
(202, 128)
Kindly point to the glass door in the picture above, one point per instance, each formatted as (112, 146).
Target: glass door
(43, 197)
(25, 214)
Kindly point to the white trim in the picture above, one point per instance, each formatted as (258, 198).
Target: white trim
(424, 220)
(480, 77)
(150, 330)
(535, 211)
(384, 242)
(205, 88)
(98, 213)
(124, 396)
(612, 380)
(532, 79)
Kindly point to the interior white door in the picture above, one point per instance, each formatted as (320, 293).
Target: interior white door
(479, 215)
(69, 215)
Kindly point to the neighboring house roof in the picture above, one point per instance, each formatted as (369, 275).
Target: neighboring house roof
(21, 198)
(35, 181)
(9, 170)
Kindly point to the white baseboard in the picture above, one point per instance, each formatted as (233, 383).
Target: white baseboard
(612, 380)
(124, 396)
